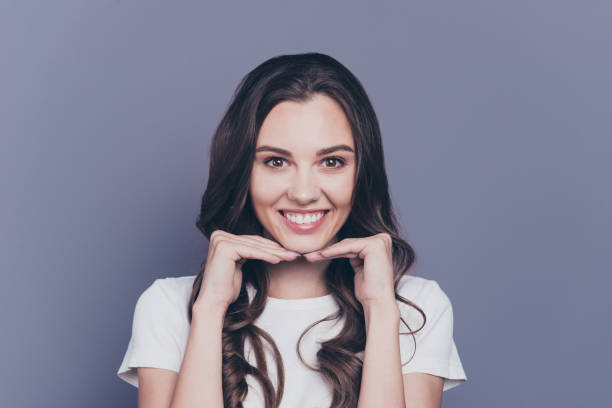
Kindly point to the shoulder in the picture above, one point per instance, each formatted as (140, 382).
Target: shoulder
(166, 295)
(175, 289)
(160, 327)
(426, 294)
(432, 350)
(419, 289)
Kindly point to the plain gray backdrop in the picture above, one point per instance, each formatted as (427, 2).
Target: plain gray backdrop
(496, 121)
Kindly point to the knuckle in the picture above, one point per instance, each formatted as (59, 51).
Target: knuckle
(221, 244)
(215, 234)
(384, 239)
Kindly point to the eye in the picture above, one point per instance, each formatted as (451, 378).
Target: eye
(334, 160)
(276, 159)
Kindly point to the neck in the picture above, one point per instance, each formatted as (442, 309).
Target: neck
(297, 279)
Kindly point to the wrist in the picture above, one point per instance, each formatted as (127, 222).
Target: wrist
(209, 307)
(384, 311)
(387, 305)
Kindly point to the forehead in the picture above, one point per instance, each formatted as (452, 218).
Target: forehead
(317, 122)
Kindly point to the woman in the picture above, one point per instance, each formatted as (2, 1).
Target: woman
(305, 283)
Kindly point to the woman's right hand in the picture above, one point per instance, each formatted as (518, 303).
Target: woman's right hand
(227, 252)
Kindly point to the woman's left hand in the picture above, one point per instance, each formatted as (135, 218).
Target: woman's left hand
(372, 261)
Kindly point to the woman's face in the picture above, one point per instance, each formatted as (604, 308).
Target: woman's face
(293, 177)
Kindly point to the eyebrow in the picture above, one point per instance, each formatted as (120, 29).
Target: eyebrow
(320, 152)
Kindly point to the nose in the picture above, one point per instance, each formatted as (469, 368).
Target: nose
(304, 188)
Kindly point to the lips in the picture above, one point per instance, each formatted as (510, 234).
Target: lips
(304, 227)
(283, 212)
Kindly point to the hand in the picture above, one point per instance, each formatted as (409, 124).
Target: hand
(227, 252)
(372, 261)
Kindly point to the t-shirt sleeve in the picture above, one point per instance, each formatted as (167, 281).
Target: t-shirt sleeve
(435, 352)
(157, 333)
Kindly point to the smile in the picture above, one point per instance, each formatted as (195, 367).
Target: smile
(303, 222)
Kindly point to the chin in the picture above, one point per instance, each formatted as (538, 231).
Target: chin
(304, 248)
(302, 244)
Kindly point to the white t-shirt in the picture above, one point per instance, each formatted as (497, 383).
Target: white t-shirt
(160, 330)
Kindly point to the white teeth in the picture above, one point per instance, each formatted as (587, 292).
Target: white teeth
(304, 219)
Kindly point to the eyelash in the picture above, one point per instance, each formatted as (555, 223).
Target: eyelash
(338, 159)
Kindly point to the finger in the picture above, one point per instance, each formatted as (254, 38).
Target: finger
(251, 239)
(244, 252)
(317, 256)
(273, 248)
(348, 245)
(245, 238)
(266, 253)
(262, 240)
(255, 240)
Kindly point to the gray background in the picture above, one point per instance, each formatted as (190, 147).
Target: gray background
(496, 121)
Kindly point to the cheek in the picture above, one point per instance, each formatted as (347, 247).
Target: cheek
(264, 190)
(340, 191)
(342, 199)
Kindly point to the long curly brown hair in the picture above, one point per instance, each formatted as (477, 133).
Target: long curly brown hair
(226, 205)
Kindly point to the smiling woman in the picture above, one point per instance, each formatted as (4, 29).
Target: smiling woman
(305, 254)
(305, 135)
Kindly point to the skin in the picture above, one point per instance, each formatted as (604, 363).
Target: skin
(302, 180)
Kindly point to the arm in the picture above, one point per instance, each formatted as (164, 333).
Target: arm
(382, 383)
(155, 387)
(423, 390)
(199, 380)
(381, 379)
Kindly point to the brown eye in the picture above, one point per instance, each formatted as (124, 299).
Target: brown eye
(334, 160)
(276, 160)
